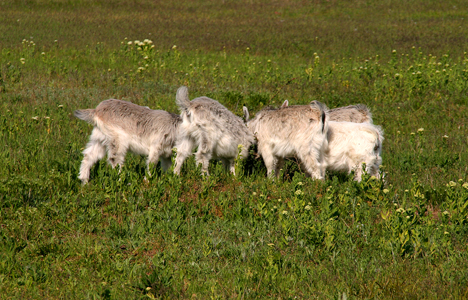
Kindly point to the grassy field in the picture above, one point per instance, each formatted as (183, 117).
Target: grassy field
(227, 236)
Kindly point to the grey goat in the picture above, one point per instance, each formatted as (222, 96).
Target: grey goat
(121, 126)
(211, 127)
(358, 113)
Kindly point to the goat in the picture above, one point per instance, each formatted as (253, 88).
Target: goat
(211, 127)
(121, 126)
(292, 131)
(351, 140)
(351, 144)
(358, 113)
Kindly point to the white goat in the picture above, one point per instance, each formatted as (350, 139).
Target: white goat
(351, 144)
(352, 140)
(212, 128)
(121, 126)
(299, 131)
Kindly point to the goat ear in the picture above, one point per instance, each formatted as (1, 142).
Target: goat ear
(246, 113)
(319, 105)
(285, 104)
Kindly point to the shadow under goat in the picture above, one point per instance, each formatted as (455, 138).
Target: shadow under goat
(211, 127)
(121, 126)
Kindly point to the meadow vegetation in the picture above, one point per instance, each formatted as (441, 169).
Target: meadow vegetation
(226, 236)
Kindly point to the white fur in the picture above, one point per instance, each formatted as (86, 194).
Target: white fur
(212, 128)
(350, 145)
(296, 131)
(121, 126)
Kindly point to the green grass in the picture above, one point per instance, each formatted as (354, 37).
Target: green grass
(233, 236)
(336, 28)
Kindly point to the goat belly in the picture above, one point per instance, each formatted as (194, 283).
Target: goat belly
(137, 146)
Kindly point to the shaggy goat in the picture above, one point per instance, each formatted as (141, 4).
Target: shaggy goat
(352, 139)
(358, 113)
(351, 144)
(292, 131)
(211, 127)
(120, 126)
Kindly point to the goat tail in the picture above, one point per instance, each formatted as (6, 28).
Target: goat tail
(323, 109)
(182, 99)
(246, 113)
(86, 115)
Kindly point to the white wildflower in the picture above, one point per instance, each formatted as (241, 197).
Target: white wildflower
(299, 192)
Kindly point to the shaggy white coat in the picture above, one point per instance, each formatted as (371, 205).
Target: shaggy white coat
(121, 126)
(211, 127)
(296, 131)
(350, 145)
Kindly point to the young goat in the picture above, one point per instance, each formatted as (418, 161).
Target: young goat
(352, 140)
(212, 128)
(351, 144)
(358, 113)
(299, 131)
(120, 126)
